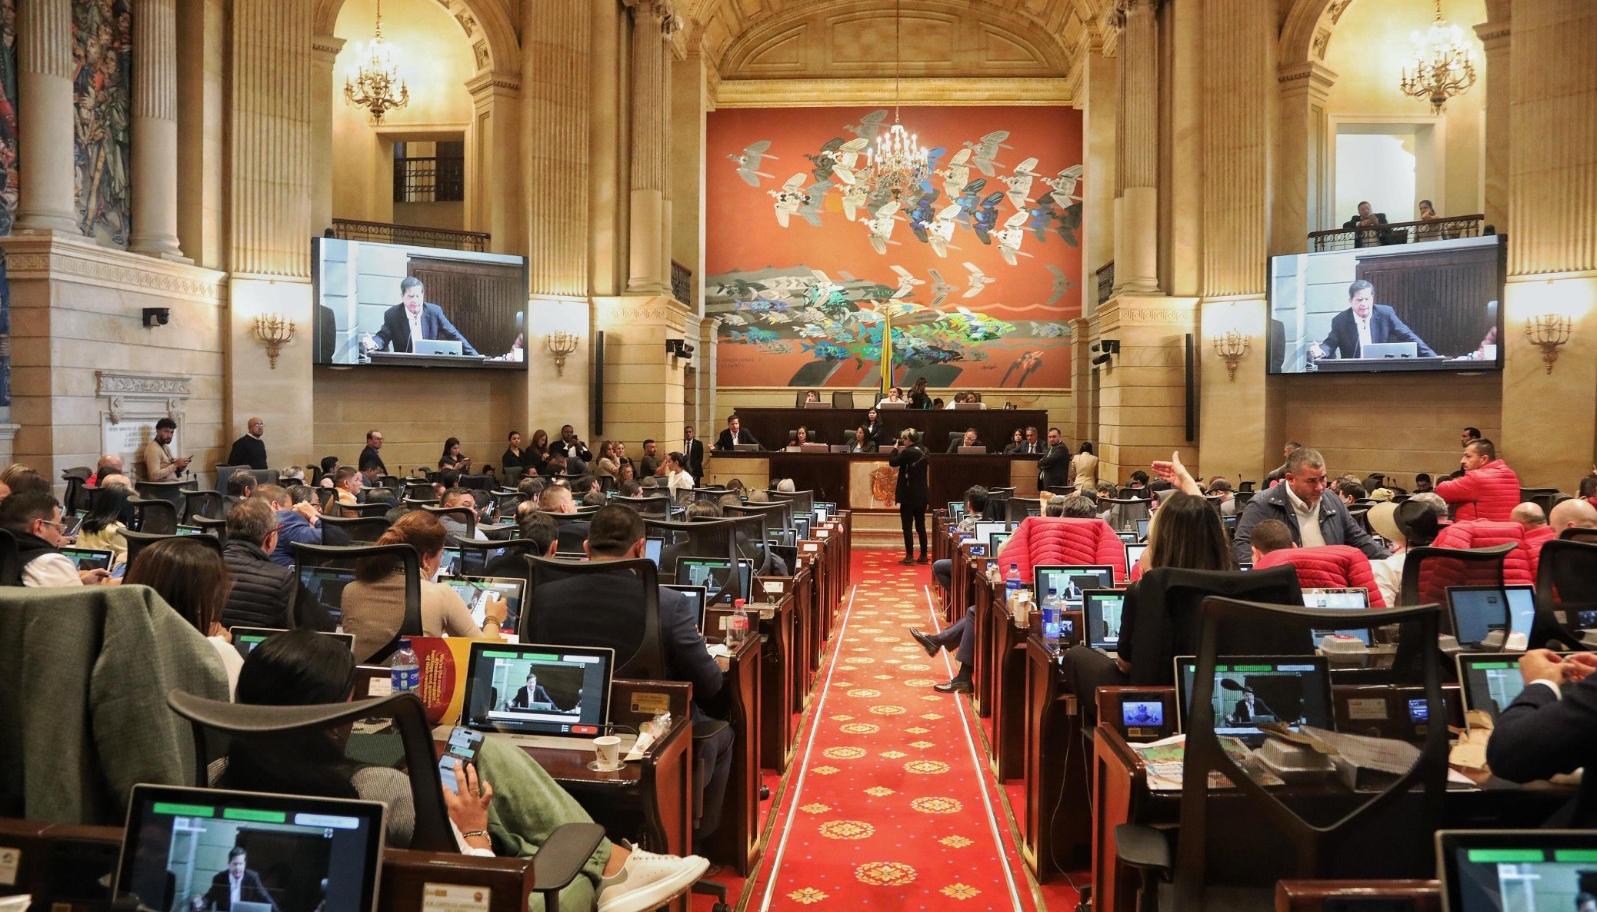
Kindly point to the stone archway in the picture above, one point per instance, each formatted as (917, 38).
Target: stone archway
(485, 23)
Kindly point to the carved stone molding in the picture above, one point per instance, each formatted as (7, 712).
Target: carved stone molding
(143, 392)
(83, 261)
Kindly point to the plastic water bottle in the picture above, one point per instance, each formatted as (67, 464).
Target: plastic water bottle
(1052, 613)
(403, 668)
(1012, 585)
(737, 628)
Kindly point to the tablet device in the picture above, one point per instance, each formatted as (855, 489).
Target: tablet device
(1503, 870)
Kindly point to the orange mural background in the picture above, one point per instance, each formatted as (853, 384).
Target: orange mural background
(802, 305)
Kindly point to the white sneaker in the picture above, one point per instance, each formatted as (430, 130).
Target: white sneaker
(648, 881)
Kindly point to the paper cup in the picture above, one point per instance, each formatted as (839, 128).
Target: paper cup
(607, 752)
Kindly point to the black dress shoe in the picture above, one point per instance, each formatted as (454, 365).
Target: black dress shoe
(955, 686)
(926, 642)
(923, 559)
(907, 560)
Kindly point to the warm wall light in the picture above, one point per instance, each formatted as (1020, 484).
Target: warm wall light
(274, 332)
(560, 344)
(1233, 347)
(1548, 332)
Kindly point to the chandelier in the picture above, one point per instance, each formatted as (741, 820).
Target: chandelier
(373, 81)
(895, 161)
(1441, 66)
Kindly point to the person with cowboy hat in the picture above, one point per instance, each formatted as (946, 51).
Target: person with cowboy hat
(1406, 525)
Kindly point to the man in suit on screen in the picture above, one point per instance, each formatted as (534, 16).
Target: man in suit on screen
(1365, 323)
(412, 319)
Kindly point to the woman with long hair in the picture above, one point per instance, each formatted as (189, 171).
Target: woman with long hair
(189, 575)
(606, 465)
(918, 397)
(537, 452)
(302, 668)
(103, 526)
(453, 459)
(374, 604)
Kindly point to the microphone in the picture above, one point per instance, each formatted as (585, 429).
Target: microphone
(1236, 687)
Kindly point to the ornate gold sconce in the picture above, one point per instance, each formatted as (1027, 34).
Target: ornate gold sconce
(274, 332)
(1548, 332)
(1233, 347)
(560, 344)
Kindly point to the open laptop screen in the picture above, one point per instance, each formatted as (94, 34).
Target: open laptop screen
(1101, 611)
(1490, 681)
(1063, 585)
(534, 689)
(1338, 600)
(88, 558)
(245, 639)
(985, 530)
(1510, 870)
(326, 587)
(714, 574)
(696, 596)
(1250, 690)
(1479, 610)
(293, 852)
(474, 591)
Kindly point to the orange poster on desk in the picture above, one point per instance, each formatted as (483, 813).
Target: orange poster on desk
(444, 662)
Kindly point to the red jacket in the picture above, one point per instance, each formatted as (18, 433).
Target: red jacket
(1489, 492)
(1063, 540)
(1327, 567)
(1519, 567)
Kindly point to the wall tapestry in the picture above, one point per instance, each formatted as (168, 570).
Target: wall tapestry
(978, 266)
(102, 57)
(8, 115)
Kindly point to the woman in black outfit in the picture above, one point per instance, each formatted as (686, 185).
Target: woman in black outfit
(910, 460)
(918, 397)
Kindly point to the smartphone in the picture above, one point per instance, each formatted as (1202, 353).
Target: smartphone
(463, 745)
(73, 521)
(120, 571)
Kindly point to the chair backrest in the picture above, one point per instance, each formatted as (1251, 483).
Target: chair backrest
(1169, 617)
(202, 503)
(225, 472)
(475, 554)
(1310, 846)
(1576, 533)
(774, 515)
(1428, 571)
(216, 527)
(1125, 511)
(76, 478)
(154, 516)
(798, 398)
(802, 501)
(10, 566)
(1328, 567)
(375, 508)
(1018, 508)
(1566, 583)
(843, 399)
(748, 538)
(647, 662)
(709, 538)
(364, 529)
(463, 515)
(138, 541)
(219, 725)
(352, 557)
(169, 491)
(659, 505)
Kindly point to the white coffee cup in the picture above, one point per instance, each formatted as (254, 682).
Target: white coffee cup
(607, 752)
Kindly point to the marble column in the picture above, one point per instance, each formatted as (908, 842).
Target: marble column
(1300, 200)
(1137, 149)
(494, 156)
(649, 266)
(1098, 179)
(1496, 39)
(555, 135)
(47, 197)
(324, 52)
(154, 230)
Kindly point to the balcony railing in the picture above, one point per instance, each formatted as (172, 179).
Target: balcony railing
(417, 235)
(429, 180)
(1106, 281)
(682, 283)
(1437, 229)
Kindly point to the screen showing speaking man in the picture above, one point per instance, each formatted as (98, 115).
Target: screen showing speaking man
(1364, 324)
(413, 321)
(533, 691)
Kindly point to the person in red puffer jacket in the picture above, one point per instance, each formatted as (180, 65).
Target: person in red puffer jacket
(1489, 489)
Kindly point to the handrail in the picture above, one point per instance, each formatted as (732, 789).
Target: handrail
(1437, 229)
(1106, 282)
(681, 283)
(419, 235)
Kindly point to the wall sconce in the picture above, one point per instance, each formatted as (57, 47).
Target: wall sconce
(1233, 347)
(274, 332)
(1548, 332)
(560, 344)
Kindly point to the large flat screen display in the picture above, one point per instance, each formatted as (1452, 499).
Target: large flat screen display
(1432, 305)
(404, 306)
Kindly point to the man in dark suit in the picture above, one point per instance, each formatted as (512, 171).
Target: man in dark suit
(1551, 727)
(607, 610)
(1365, 322)
(237, 884)
(533, 695)
(1030, 446)
(371, 456)
(969, 439)
(693, 455)
(910, 492)
(734, 434)
(1053, 469)
(1369, 225)
(412, 319)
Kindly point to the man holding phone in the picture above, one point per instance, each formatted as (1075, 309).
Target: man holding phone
(159, 463)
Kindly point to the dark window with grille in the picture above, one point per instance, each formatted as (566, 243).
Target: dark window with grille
(439, 177)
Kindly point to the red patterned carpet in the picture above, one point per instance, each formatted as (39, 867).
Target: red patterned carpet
(888, 804)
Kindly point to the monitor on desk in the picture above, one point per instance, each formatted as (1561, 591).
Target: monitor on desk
(534, 689)
(1142, 530)
(1101, 613)
(696, 596)
(1134, 555)
(1478, 610)
(1339, 600)
(1489, 681)
(956, 510)
(1062, 585)
(714, 574)
(985, 530)
(476, 590)
(1250, 690)
(245, 639)
(326, 587)
(1512, 870)
(996, 542)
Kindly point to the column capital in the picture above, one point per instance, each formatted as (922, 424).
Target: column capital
(1494, 35)
(493, 82)
(1312, 77)
(325, 48)
(661, 11)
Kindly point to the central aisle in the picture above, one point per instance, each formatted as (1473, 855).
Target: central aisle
(890, 803)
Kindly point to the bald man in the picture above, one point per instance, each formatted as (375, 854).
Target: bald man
(1528, 515)
(1573, 514)
(249, 450)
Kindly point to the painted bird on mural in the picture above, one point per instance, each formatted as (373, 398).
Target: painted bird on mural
(941, 230)
(880, 226)
(1061, 284)
(869, 125)
(750, 160)
(957, 174)
(1019, 183)
(940, 288)
(814, 197)
(978, 280)
(1010, 236)
(906, 282)
(1063, 186)
(789, 198)
(984, 151)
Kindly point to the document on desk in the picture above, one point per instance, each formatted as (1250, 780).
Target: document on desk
(1163, 761)
(1371, 764)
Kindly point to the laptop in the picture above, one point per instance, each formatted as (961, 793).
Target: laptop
(971, 450)
(997, 540)
(245, 639)
(189, 530)
(1133, 555)
(714, 574)
(474, 591)
(956, 510)
(985, 530)
(745, 447)
(88, 558)
(1101, 613)
(1478, 610)
(1129, 538)
(698, 595)
(1389, 350)
(783, 538)
(1488, 681)
(326, 587)
(438, 347)
(1295, 690)
(539, 695)
(1142, 530)
(1064, 584)
(1338, 600)
(891, 406)
(453, 562)
(652, 548)
(307, 852)
(1498, 870)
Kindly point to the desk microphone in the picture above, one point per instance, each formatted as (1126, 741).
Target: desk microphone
(1235, 687)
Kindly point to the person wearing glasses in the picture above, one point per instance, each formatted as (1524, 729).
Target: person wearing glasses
(34, 519)
(369, 456)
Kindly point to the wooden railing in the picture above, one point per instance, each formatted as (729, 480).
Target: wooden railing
(419, 235)
(1437, 229)
(1106, 281)
(682, 283)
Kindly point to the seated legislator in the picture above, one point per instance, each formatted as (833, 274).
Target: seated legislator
(412, 320)
(103, 526)
(969, 440)
(374, 604)
(508, 803)
(803, 435)
(190, 576)
(33, 517)
(1551, 728)
(1488, 489)
(607, 610)
(263, 592)
(1365, 322)
(734, 434)
(861, 442)
(1314, 513)
(531, 525)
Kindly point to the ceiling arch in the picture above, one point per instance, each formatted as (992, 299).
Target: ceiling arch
(487, 24)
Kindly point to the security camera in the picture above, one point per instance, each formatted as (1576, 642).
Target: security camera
(157, 316)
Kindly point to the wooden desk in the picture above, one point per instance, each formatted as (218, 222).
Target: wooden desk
(780, 703)
(994, 426)
(737, 838)
(845, 478)
(1056, 822)
(1313, 895)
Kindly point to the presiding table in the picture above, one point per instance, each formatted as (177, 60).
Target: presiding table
(770, 426)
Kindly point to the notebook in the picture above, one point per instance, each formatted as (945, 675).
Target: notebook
(1295, 690)
(474, 591)
(1101, 612)
(1338, 600)
(245, 639)
(305, 853)
(1498, 870)
(1478, 610)
(540, 695)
